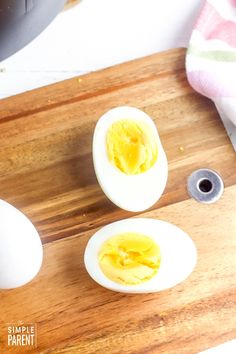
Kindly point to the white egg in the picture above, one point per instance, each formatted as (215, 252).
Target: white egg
(21, 251)
(178, 254)
(130, 192)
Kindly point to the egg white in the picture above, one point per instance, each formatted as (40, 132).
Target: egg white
(21, 251)
(178, 254)
(130, 192)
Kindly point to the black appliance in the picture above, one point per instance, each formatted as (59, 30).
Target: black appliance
(22, 20)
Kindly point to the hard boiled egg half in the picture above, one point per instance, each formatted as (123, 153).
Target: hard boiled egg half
(21, 251)
(129, 160)
(140, 256)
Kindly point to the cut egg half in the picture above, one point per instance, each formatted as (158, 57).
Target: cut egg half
(21, 251)
(129, 160)
(140, 255)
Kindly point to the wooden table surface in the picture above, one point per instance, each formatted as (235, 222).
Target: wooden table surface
(46, 171)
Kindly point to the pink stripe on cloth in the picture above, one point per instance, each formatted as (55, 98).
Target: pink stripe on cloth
(211, 85)
(225, 31)
(212, 26)
(232, 2)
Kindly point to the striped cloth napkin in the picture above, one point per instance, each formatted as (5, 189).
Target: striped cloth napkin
(211, 56)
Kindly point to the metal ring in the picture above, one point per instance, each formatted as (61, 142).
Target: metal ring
(205, 186)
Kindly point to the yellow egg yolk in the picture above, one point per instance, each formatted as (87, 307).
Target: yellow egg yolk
(129, 258)
(131, 146)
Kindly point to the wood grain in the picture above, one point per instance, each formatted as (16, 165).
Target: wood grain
(46, 171)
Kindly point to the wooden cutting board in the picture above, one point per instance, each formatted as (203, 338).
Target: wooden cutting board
(46, 171)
